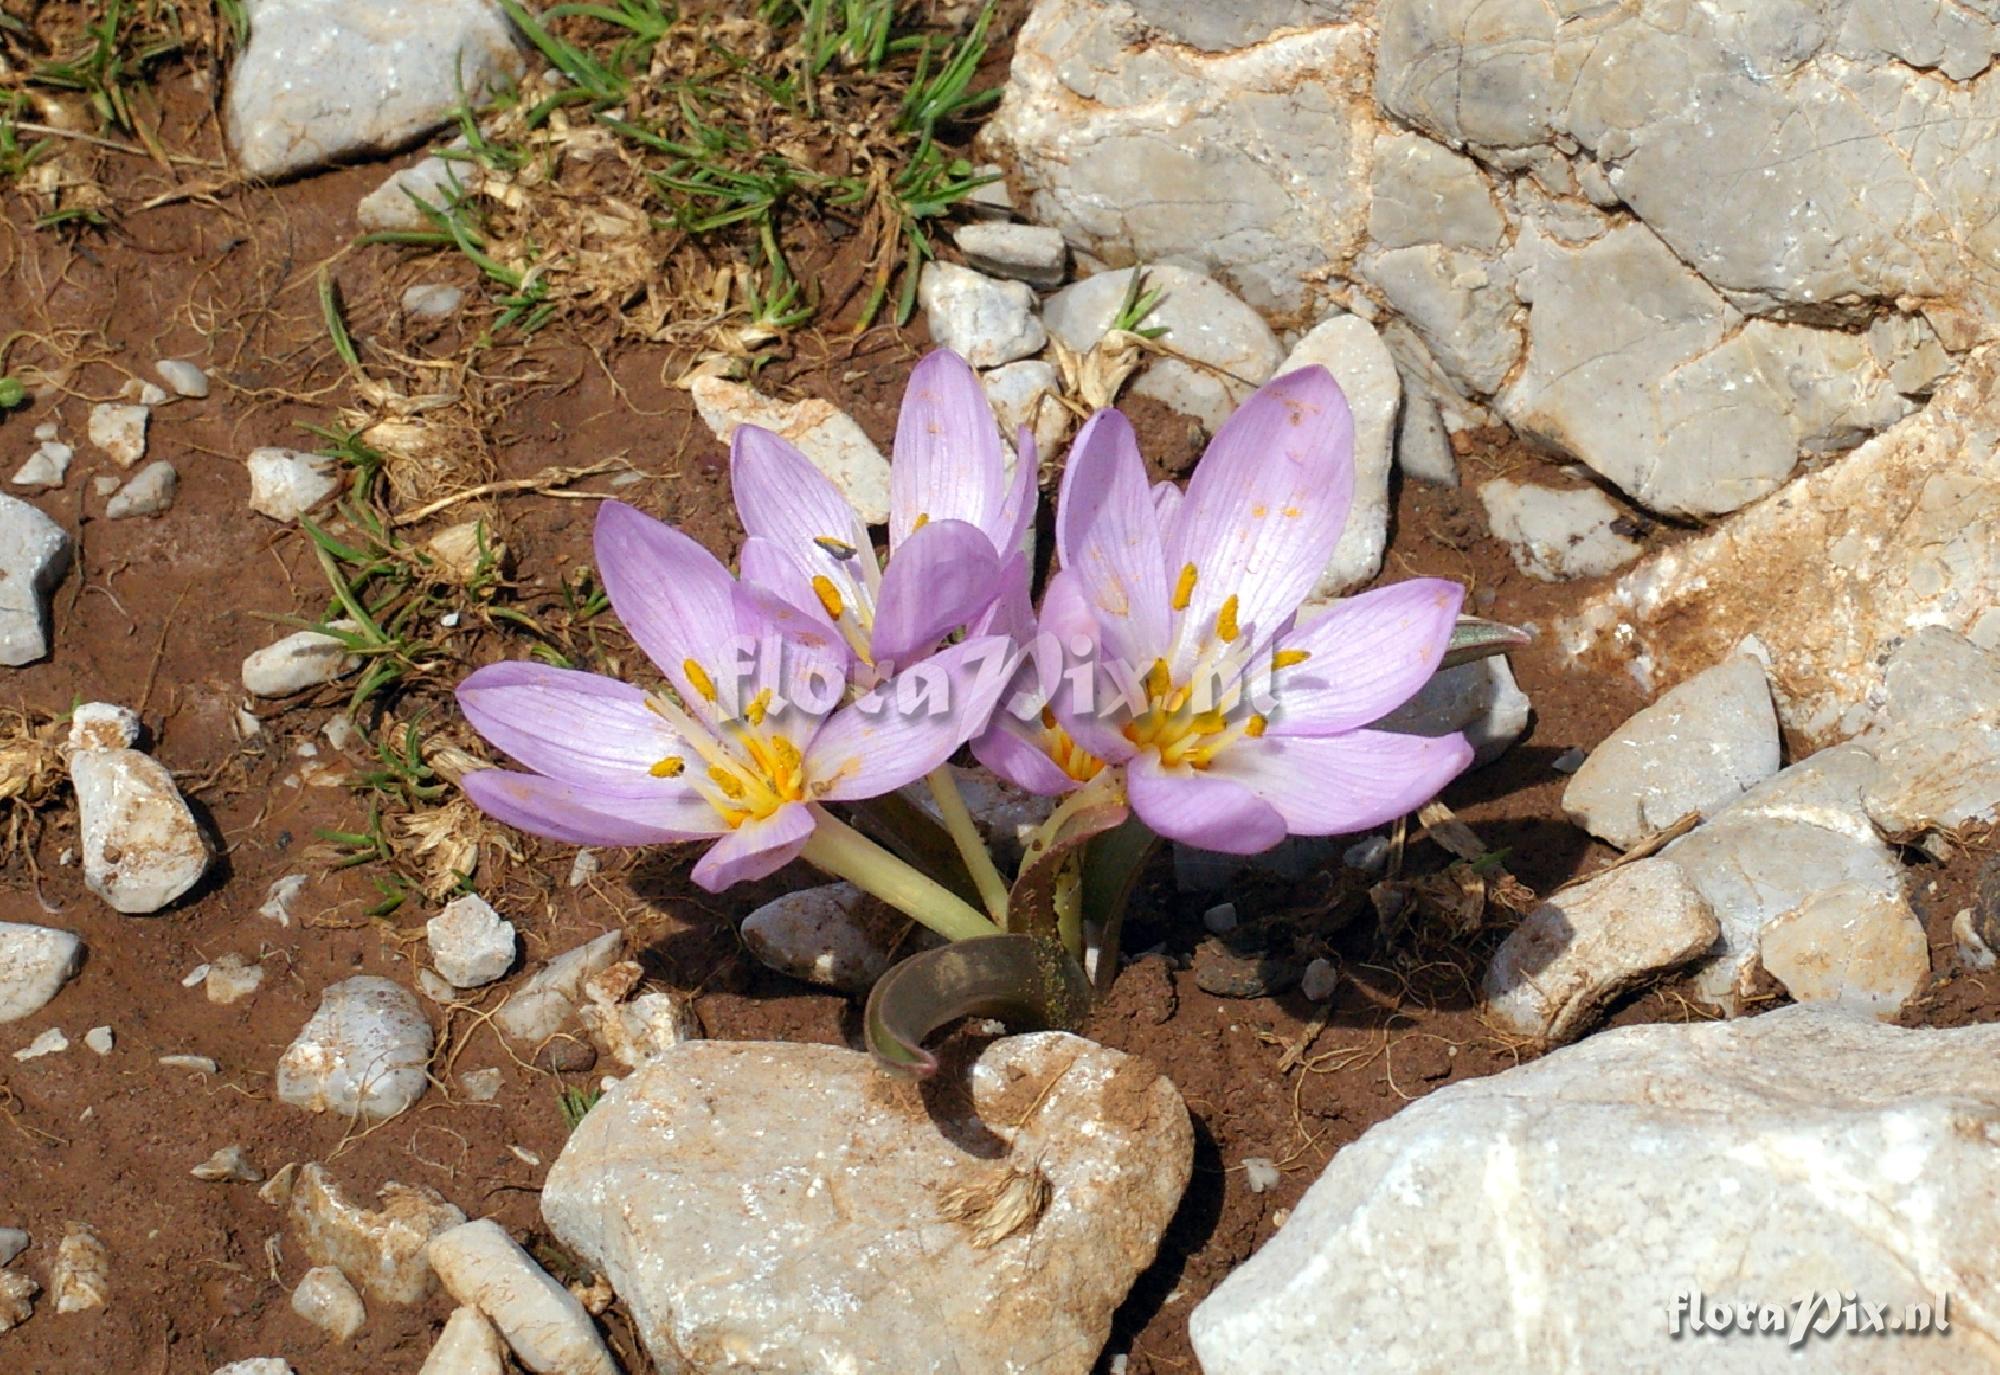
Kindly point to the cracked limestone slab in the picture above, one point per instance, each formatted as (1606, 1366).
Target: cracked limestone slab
(1233, 138)
(1899, 534)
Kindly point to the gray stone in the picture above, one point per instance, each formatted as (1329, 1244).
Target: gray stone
(325, 1299)
(1900, 534)
(301, 660)
(13, 1241)
(34, 555)
(1027, 253)
(1422, 193)
(149, 492)
(1556, 972)
(985, 321)
(1937, 748)
(470, 943)
(185, 378)
(364, 1053)
(1028, 393)
(547, 1003)
(1697, 749)
(35, 962)
(322, 80)
(45, 467)
(1348, 347)
(141, 845)
(1851, 943)
(438, 182)
(834, 935)
(821, 431)
(485, 1269)
(1551, 1216)
(257, 1365)
(432, 301)
(1556, 533)
(1423, 447)
(862, 1229)
(1234, 350)
(287, 483)
(1479, 698)
(1461, 305)
(228, 1165)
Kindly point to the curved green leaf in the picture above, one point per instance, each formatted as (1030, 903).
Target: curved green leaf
(1475, 638)
(1029, 983)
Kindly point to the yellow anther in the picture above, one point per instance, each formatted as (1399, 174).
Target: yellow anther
(759, 708)
(670, 767)
(1289, 658)
(829, 595)
(1226, 628)
(1208, 723)
(789, 761)
(731, 785)
(923, 519)
(698, 679)
(1254, 727)
(1184, 589)
(1159, 679)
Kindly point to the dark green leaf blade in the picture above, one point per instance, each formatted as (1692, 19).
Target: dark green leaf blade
(1028, 983)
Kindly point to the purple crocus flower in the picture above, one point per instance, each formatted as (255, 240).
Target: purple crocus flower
(955, 519)
(1234, 724)
(747, 765)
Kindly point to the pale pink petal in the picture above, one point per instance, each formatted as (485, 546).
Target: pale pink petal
(756, 849)
(576, 727)
(949, 462)
(1109, 540)
(941, 577)
(1167, 507)
(674, 597)
(1264, 510)
(1369, 655)
(579, 815)
(1017, 511)
(801, 660)
(1200, 809)
(1341, 784)
(782, 497)
(1012, 749)
(909, 725)
(1091, 693)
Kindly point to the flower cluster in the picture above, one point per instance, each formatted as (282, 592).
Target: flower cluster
(1169, 667)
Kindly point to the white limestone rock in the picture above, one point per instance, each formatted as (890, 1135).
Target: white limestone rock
(439, 182)
(1546, 1218)
(470, 943)
(1556, 972)
(325, 1299)
(1423, 445)
(1937, 744)
(184, 378)
(17, 1299)
(1202, 319)
(34, 555)
(81, 1276)
(119, 429)
(431, 300)
(231, 978)
(149, 492)
(1697, 749)
(984, 321)
(46, 466)
(229, 1165)
(142, 847)
(485, 1269)
(547, 1003)
(258, 1365)
(935, 1258)
(304, 659)
(325, 80)
(1030, 253)
(1348, 347)
(821, 431)
(380, 1249)
(469, 1345)
(35, 962)
(1850, 943)
(1557, 533)
(364, 1052)
(1026, 393)
(286, 483)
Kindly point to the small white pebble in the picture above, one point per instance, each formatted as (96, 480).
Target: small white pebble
(1220, 919)
(1260, 1174)
(1319, 981)
(339, 731)
(280, 896)
(50, 1042)
(1569, 761)
(1280, 1216)
(184, 377)
(583, 868)
(480, 1085)
(99, 1039)
(194, 976)
(1369, 856)
(200, 1064)
(228, 1165)
(526, 1157)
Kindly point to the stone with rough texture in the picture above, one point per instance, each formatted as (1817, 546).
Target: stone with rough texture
(1348, 347)
(485, 1269)
(437, 181)
(34, 555)
(380, 1249)
(142, 847)
(1900, 534)
(304, 659)
(35, 962)
(1937, 748)
(985, 321)
(1546, 1217)
(228, 1165)
(547, 1003)
(1027, 393)
(821, 431)
(1202, 319)
(1562, 966)
(232, 978)
(185, 378)
(852, 1218)
(469, 1345)
(17, 1299)
(13, 1241)
(1479, 698)
(46, 467)
(1248, 158)
(1027, 253)
(1800, 838)
(1423, 446)
(148, 492)
(1850, 943)
(364, 1052)
(323, 80)
(1697, 749)
(286, 483)
(325, 1299)
(81, 1276)
(257, 1365)
(119, 430)
(470, 943)
(431, 300)
(834, 935)
(1556, 533)
(634, 1029)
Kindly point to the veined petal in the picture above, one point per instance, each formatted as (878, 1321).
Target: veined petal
(1012, 750)
(799, 659)
(1109, 539)
(575, 727)
(579, 815)
(949, 462)
(1201, 809)
(1167, 507)
(1086, 696)
(674, 597)
(938, 580)
(1012, 611)
(1366, 656)
(1340, 784)
(909, 725)
(756, 849)
(1263, 511)
(1017, 509)
(782, 497)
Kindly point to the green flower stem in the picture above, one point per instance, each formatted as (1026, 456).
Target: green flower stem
(844, 852)
(978, 860)
(1069, 906)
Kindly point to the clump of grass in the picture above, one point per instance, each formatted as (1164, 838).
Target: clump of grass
(575, 1103)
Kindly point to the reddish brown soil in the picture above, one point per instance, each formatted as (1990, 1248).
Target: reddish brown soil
(160, 612)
